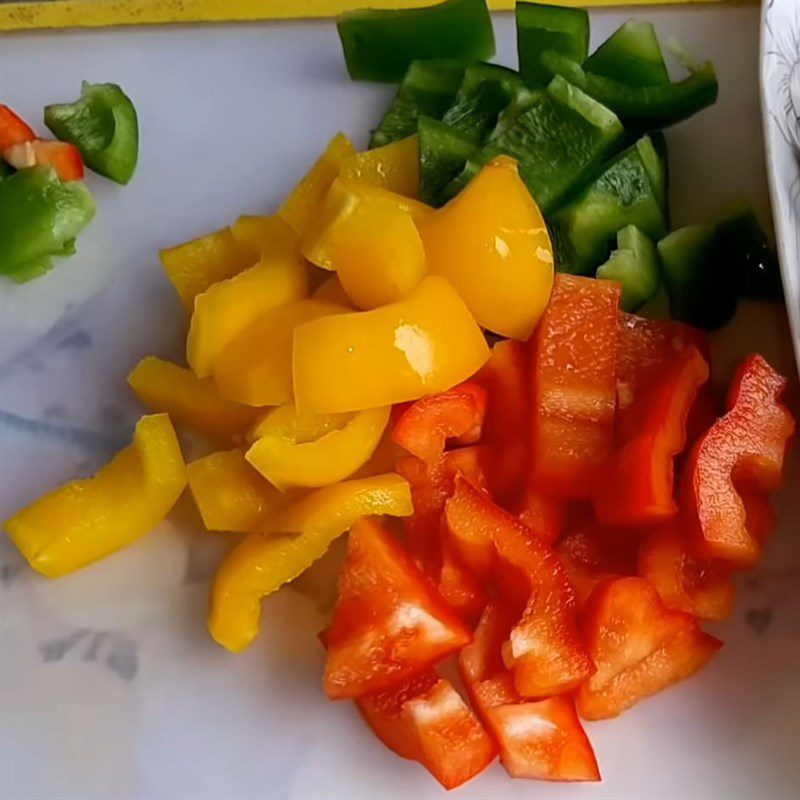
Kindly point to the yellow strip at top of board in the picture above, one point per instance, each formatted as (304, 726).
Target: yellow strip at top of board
(99, 13)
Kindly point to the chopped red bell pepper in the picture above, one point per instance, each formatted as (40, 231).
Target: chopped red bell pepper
(426, 720)
(760, 516)
(426, 425)
(685, 582)
(636, 487)
(543, 514)
(638, 645)
(544, 649)
(574, 395)
(506, 378)
(541, 739)
(389, 622)
(743, 450)
(65, 158)
(13, 130)
(592, 552)
(458, 586)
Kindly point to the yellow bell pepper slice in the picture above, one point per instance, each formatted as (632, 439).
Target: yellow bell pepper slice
(229, 307)
(492, 244)
(230, 495)
(194, 266)
(332, 291)
(191, 401)
(86, 520)
(302, 204)
(270, 236)
(287, 420)
(286, 462)
(261, 563)
(255, 368)
(394, 167)
(423, 344)
(338, 205)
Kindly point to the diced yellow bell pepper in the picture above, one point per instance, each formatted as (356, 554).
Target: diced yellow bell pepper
(423, 344)
(287, 420)
(228, 307)
(261, 563)
(230, 495)
(194, 266)
(492, 244)
(86, 520)
(287, 461)
(338, 205)
(302, 204)
(269, 236)
(191, 401)
(255, 368)
(331, 291)
(394, 167)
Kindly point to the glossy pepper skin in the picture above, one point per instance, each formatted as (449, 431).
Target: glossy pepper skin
(286, 461)
(389, 623)
(103, 125)
(420, 345)
(229, 494)
(443, 154)
(262, 562)
(637, 484)
(64, 158)
(631, 55)
(394, 167)
(573, 379)
(743, 450)
(379, 45)
(426, 720)
(13, 129)
(494, 228)
(191, 401)
(86, 520)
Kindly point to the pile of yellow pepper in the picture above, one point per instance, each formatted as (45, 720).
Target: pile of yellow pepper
(306, 328)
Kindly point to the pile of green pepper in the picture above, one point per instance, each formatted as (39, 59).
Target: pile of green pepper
(586, 131)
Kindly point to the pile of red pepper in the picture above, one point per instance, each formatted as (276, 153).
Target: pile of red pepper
(579, 508)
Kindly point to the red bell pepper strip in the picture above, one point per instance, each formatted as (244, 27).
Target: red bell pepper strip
(742, 450)
(541, 739)
(544, 649)
(685, 582)
(13, 130)
(573, 377)
(63, 157)
(637, 485)
(543, 514)
(389, 623)
(426, 720)
(506, 379)
(427, 424)
(592, 552)
(458, 586)
(639, 647)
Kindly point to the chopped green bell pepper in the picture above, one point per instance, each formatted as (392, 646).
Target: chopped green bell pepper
(634, 265)
(641, 107)
(631, 55)
(40, 216)
(103, 125)
(624, 193)
(443, 153)
(558, 135)
(427, 90)
(485, 91)
(6, 170)
(379, 45)
(547, 27)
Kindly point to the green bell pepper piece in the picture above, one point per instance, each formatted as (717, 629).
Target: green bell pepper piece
(641, 107)
(622, 194)
(559, 136)
(634, 265)
(486, 90)
(379, 45)
(103, 125)
(631, 55)
(427, 90)
(544, 27)
(443, 153)
(39, 217)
